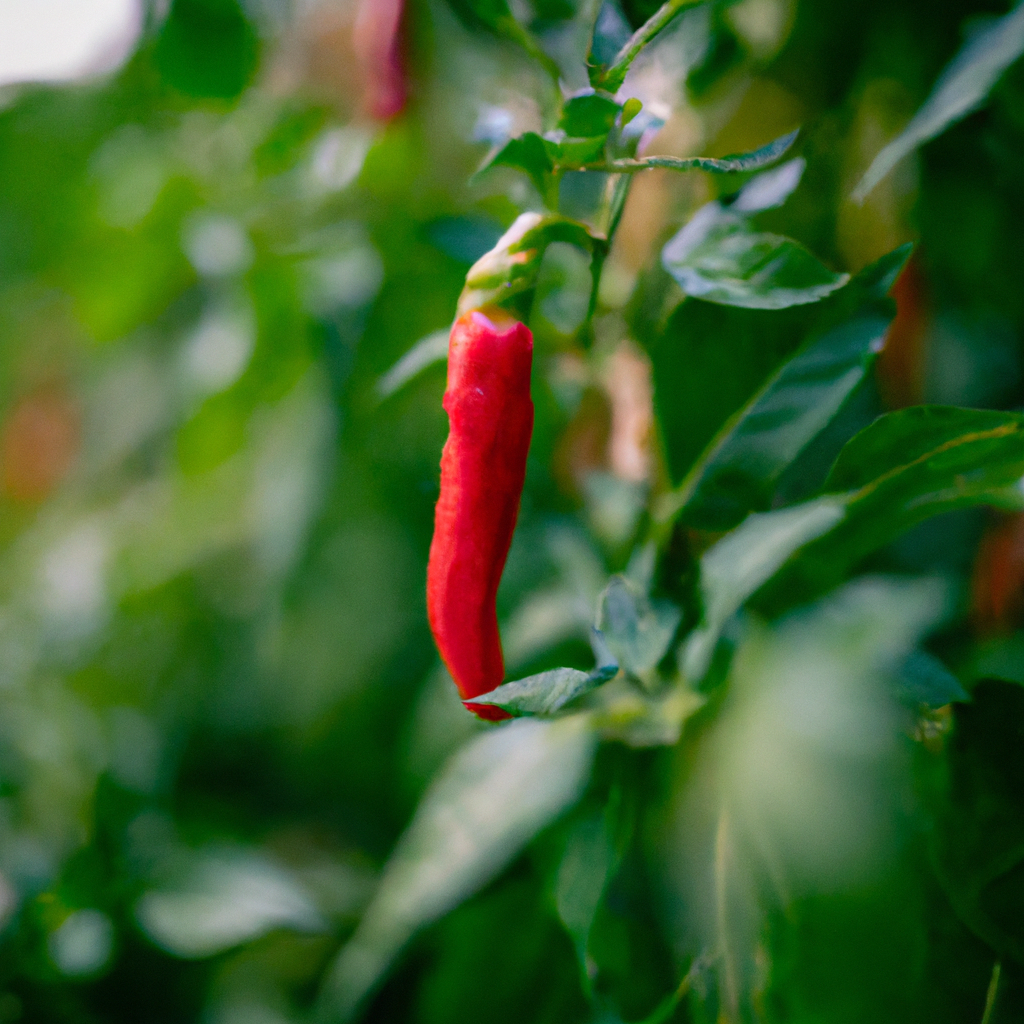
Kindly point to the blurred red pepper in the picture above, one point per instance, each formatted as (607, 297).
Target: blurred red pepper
(483, 467)
(901, 365)
(997, 589)
(377, 42)
(38, 443)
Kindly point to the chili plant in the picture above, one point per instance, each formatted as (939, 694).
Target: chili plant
(741, 644)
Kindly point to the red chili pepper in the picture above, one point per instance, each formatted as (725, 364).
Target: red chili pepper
(483, 467)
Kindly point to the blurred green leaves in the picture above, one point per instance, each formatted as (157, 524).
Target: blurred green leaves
(207, 48)
(223, 899)
(741, 562)
(489, 801)
(220, 703)
(963, 87)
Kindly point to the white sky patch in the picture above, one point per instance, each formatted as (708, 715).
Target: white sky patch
(61, 40)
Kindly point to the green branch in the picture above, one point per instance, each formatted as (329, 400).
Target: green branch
(513, 31)
(612, 77)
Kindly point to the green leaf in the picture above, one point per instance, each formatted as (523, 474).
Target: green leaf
(739, 470)
(962, 87)
(637, 630)
(583, 876)
(574, 154)
(589, 114)
(508, 273)
(222, 899)
(611, 33)
(735, 163)
(904, 468)
(924, 680)
(529, 153)
(490, 800)
(704, 389)
(718, 257)
(547, 692)
(741, 562)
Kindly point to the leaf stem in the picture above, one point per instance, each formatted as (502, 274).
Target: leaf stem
(723, 854)
(612, 77)
(512, 30)
(993, 991)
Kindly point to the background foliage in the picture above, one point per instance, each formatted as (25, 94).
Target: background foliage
(227, 271)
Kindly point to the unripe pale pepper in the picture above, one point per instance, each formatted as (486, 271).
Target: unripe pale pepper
(483, 467)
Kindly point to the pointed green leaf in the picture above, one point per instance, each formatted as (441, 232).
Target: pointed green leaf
(528, 153)
(489, 802)
(904, 468)
(704, 390)
(962, 87)
(546, 692)
(589, 114)
(738, 472)
(735, 163)
(583, 876)
(718, 257)
(741, 562)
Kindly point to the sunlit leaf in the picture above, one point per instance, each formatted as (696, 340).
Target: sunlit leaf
(487, 804)
(961, 88)
(547, 692)
(222, 900)
(770, 189)
(718, 257)
(705, 389)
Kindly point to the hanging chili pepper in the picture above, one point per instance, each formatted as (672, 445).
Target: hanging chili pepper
(483, 467)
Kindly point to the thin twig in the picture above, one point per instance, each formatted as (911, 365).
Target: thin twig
(612, 77)
(993, 991)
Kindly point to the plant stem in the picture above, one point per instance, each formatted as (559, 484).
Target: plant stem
(723, 854)
(993, 991)
(512, 30)
(612, 77)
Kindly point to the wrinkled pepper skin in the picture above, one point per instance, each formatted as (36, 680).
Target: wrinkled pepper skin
(483, 467)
